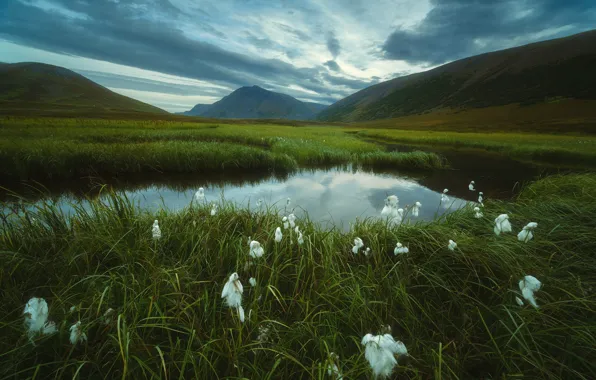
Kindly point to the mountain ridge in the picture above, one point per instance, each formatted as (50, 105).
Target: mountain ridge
(533, 73)
(254, 102)
(42, 87)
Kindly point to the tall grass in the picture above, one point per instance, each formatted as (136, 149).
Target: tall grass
(455, 311)
(70, 148)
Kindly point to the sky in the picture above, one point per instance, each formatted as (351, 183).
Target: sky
(176, 53)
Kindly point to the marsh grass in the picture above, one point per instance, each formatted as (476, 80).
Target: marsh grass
(561, 150)
(455, 311)
(71, 148)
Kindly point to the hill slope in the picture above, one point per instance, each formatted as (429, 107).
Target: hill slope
(29, 86)
(256, 102)
(560, 68)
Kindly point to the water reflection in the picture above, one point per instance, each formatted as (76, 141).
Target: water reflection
(330, 196)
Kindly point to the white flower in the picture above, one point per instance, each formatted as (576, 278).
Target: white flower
(471, 186)
(200, 195)
(292, 220)
(452, 245)
(213, 210)
(358, 243)
(367, 251)
(393, 200)
(155, 231)
(278, 234)
(480, 198)
(380, 351)
(416, 208)
(252, 281)
(256, 250)
(332, 369)
(528, 285)
(444, 197)
(76, 334)
(300, 238)
(36, 318)
(232, 292)
(502, 224)
(519, 301)
(399, 217)
(478, 213)
(399, 248)
(526, 234)
(285, 221)
(297, 229)
(72, 309)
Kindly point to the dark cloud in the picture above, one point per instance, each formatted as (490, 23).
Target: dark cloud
(333, 45)
(356, 84)
(455, 29)
(115, 32)
(332, 65)
(261, 42)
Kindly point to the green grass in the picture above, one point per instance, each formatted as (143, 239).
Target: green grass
(455, 311)
(70, 148)
(562, 150)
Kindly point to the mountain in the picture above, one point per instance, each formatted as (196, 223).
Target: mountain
(30, 87)
(257, 103)
(196, 110)
(557, 69)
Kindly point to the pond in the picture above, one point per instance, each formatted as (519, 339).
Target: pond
(331, 196)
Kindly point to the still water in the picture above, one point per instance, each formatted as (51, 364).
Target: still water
(331, 196)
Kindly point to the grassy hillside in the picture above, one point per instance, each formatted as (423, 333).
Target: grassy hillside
(455, 311)
(41, 88)
(535, 73)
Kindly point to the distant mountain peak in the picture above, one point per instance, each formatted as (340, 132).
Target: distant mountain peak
(255, 102)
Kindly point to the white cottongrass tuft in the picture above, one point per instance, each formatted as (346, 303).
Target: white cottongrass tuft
(367, 251)
(478, 214)
(292, 220)
(358, 243)
(444, 197)
(36, 318)
(416, 209)
(399, 249)
(200, 195)
(232, 292)
(519, 301)
(332, 367)
(285, 222)
(76, 333)
(452, 245)
(213, 209)
(252, 281)
(480, 197)
(297, 229)
(259, 203)
(380, 350)
(471, 186)
(528, 285)
(278, 235)
(256, 250)
(155, 231)
(502, 224)
(300, 238)
(526, 234)
(108, 315)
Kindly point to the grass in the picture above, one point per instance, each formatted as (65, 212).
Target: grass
(455, 311)
(46, 148)
(562, 150)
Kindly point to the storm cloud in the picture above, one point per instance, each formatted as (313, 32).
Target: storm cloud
(455, 29)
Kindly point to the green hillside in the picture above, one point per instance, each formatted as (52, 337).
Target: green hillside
(40, 88)
(564, 68)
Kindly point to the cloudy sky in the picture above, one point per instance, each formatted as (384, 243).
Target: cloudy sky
(176, 53)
